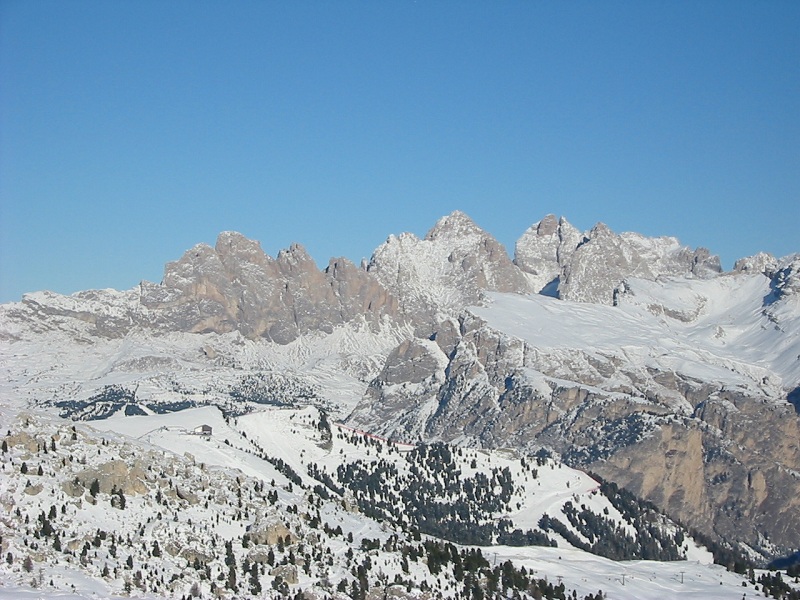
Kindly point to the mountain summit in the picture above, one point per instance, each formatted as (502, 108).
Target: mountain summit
(447, 270)
(589, 267)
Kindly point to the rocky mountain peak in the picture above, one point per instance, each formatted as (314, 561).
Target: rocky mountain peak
(544, 249)
(199, 262)
(547, 226)
(233, 243)
(600, 230)
(602, 260)
(763, 263)
(359, 292)
(295, 260)
(340, 267)
(705, 264)
(455, 225)
(447, 270)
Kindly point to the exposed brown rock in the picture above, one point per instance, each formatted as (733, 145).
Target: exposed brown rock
(117, 474)
(269, 531)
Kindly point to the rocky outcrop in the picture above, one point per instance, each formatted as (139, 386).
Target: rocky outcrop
(117, 475)
(589, 267)
(287, 573)
(604, 260)
(237, 287)
(270, 531)
(232, 287)
(545, 249)
(23, 440)
(446, 271)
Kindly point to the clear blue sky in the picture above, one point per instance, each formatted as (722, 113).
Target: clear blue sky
(130, 131)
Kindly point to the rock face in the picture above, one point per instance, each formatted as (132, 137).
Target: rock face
(713, 469)
(237, 287)
(590, 267)
(545, 249)
(232, 287)
(447, 270)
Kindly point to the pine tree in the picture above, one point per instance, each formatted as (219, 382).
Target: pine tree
(231, 582)
(255, 584)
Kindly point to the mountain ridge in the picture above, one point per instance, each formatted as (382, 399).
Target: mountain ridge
(235, 284)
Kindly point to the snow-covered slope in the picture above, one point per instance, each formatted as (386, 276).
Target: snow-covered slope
(713, 330)
(163, 372)
(145, 505)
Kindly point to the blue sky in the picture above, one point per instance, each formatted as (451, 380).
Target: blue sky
(130, 131)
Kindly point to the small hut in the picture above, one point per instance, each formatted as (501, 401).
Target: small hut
(203, 430)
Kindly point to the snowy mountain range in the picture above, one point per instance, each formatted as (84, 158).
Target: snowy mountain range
(633, 358)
